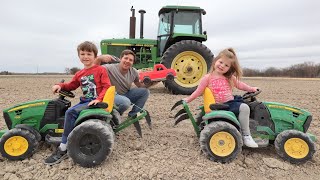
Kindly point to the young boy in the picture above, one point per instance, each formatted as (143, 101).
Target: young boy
(94, 82)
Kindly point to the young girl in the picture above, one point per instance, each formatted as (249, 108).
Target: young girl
(225, 74)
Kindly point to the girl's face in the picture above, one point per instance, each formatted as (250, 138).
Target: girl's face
(222, 65)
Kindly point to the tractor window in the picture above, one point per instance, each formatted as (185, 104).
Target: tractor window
(164, 24)
(187, 22)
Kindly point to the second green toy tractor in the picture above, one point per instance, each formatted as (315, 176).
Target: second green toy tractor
(220, 136)
(89, 143)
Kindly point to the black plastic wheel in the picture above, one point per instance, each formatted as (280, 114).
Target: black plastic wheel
(169, 77)
(18, 144)
(191, 60)
(32, 129)
(90, 143)
(294, 146)
(220, 141)
(147, 81)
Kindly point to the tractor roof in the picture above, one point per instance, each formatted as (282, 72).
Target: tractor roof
(170, 8)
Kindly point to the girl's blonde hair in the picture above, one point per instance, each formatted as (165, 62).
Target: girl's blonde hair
(235, 69)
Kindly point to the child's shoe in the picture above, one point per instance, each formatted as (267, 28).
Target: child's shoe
(249, 142)
(56, 157)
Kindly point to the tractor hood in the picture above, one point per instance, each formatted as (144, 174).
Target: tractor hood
(129, 42)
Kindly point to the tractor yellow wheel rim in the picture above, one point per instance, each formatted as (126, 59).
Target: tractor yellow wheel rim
(16, 146)
(222, 144)
(190, 67)
(296, 148)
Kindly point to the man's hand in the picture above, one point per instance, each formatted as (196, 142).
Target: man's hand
(153, 83)
(93, 102)
(56, 89)
(106, 58)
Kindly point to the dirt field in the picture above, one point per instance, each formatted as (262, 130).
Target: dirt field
(165, 152)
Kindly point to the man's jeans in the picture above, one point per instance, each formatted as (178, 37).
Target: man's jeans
(137, 96)
(71, 116)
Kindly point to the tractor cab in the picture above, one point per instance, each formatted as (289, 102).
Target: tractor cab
(178, 23)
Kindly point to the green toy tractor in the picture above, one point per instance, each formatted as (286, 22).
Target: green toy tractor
(178, 46)
(220, 135)
(89, 143)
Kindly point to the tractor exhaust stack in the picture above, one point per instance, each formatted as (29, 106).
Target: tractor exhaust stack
(141, 23)
(132, 29)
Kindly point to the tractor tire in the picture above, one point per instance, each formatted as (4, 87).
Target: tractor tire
(18, 144)
(191, 60)
(31, 129)
(294, 146)
(220, 141)
(90, 143)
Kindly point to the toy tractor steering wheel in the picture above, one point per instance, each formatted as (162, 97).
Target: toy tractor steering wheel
(251, 94)
(66, 94)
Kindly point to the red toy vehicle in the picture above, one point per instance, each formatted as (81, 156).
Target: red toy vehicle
(159, 73)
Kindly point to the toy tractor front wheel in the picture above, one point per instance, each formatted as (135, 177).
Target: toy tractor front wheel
(294, 146)
(90, 143)
(220, 141)
(18, 144)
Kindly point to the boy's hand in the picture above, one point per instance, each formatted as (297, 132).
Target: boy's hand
(56, 88)
(93, 102)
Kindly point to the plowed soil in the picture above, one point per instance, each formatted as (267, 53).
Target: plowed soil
(166, 151)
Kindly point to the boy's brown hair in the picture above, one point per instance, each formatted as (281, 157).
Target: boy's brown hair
(126, 52)
(88, 46)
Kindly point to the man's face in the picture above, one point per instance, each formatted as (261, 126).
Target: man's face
(127, 61)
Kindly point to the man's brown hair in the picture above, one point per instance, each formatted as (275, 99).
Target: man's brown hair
(88, 46)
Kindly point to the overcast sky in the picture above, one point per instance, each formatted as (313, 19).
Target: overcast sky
(41, 35)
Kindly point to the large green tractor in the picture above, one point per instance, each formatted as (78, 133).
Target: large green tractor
(219, 130)
(178, 46)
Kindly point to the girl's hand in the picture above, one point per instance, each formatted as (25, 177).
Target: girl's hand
(93, 102)
(256, 89)
(56, 88)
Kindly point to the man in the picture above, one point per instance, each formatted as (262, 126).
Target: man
(122, 75)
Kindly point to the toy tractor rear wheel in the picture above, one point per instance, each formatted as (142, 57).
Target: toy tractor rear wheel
(90, 143)
(191, 60)
(294, 146)
(220, 141)
(18, 144)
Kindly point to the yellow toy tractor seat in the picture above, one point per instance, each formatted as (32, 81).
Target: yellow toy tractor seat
(210, 103)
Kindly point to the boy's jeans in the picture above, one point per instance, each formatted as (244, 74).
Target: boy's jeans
(71, 116)
(137, 96)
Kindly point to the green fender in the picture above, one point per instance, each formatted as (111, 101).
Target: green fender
(219, 115)
(97, 113)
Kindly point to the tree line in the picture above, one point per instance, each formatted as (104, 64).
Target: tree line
(303, 70)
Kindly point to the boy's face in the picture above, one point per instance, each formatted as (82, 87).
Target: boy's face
(126, 61)
(87, 58)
